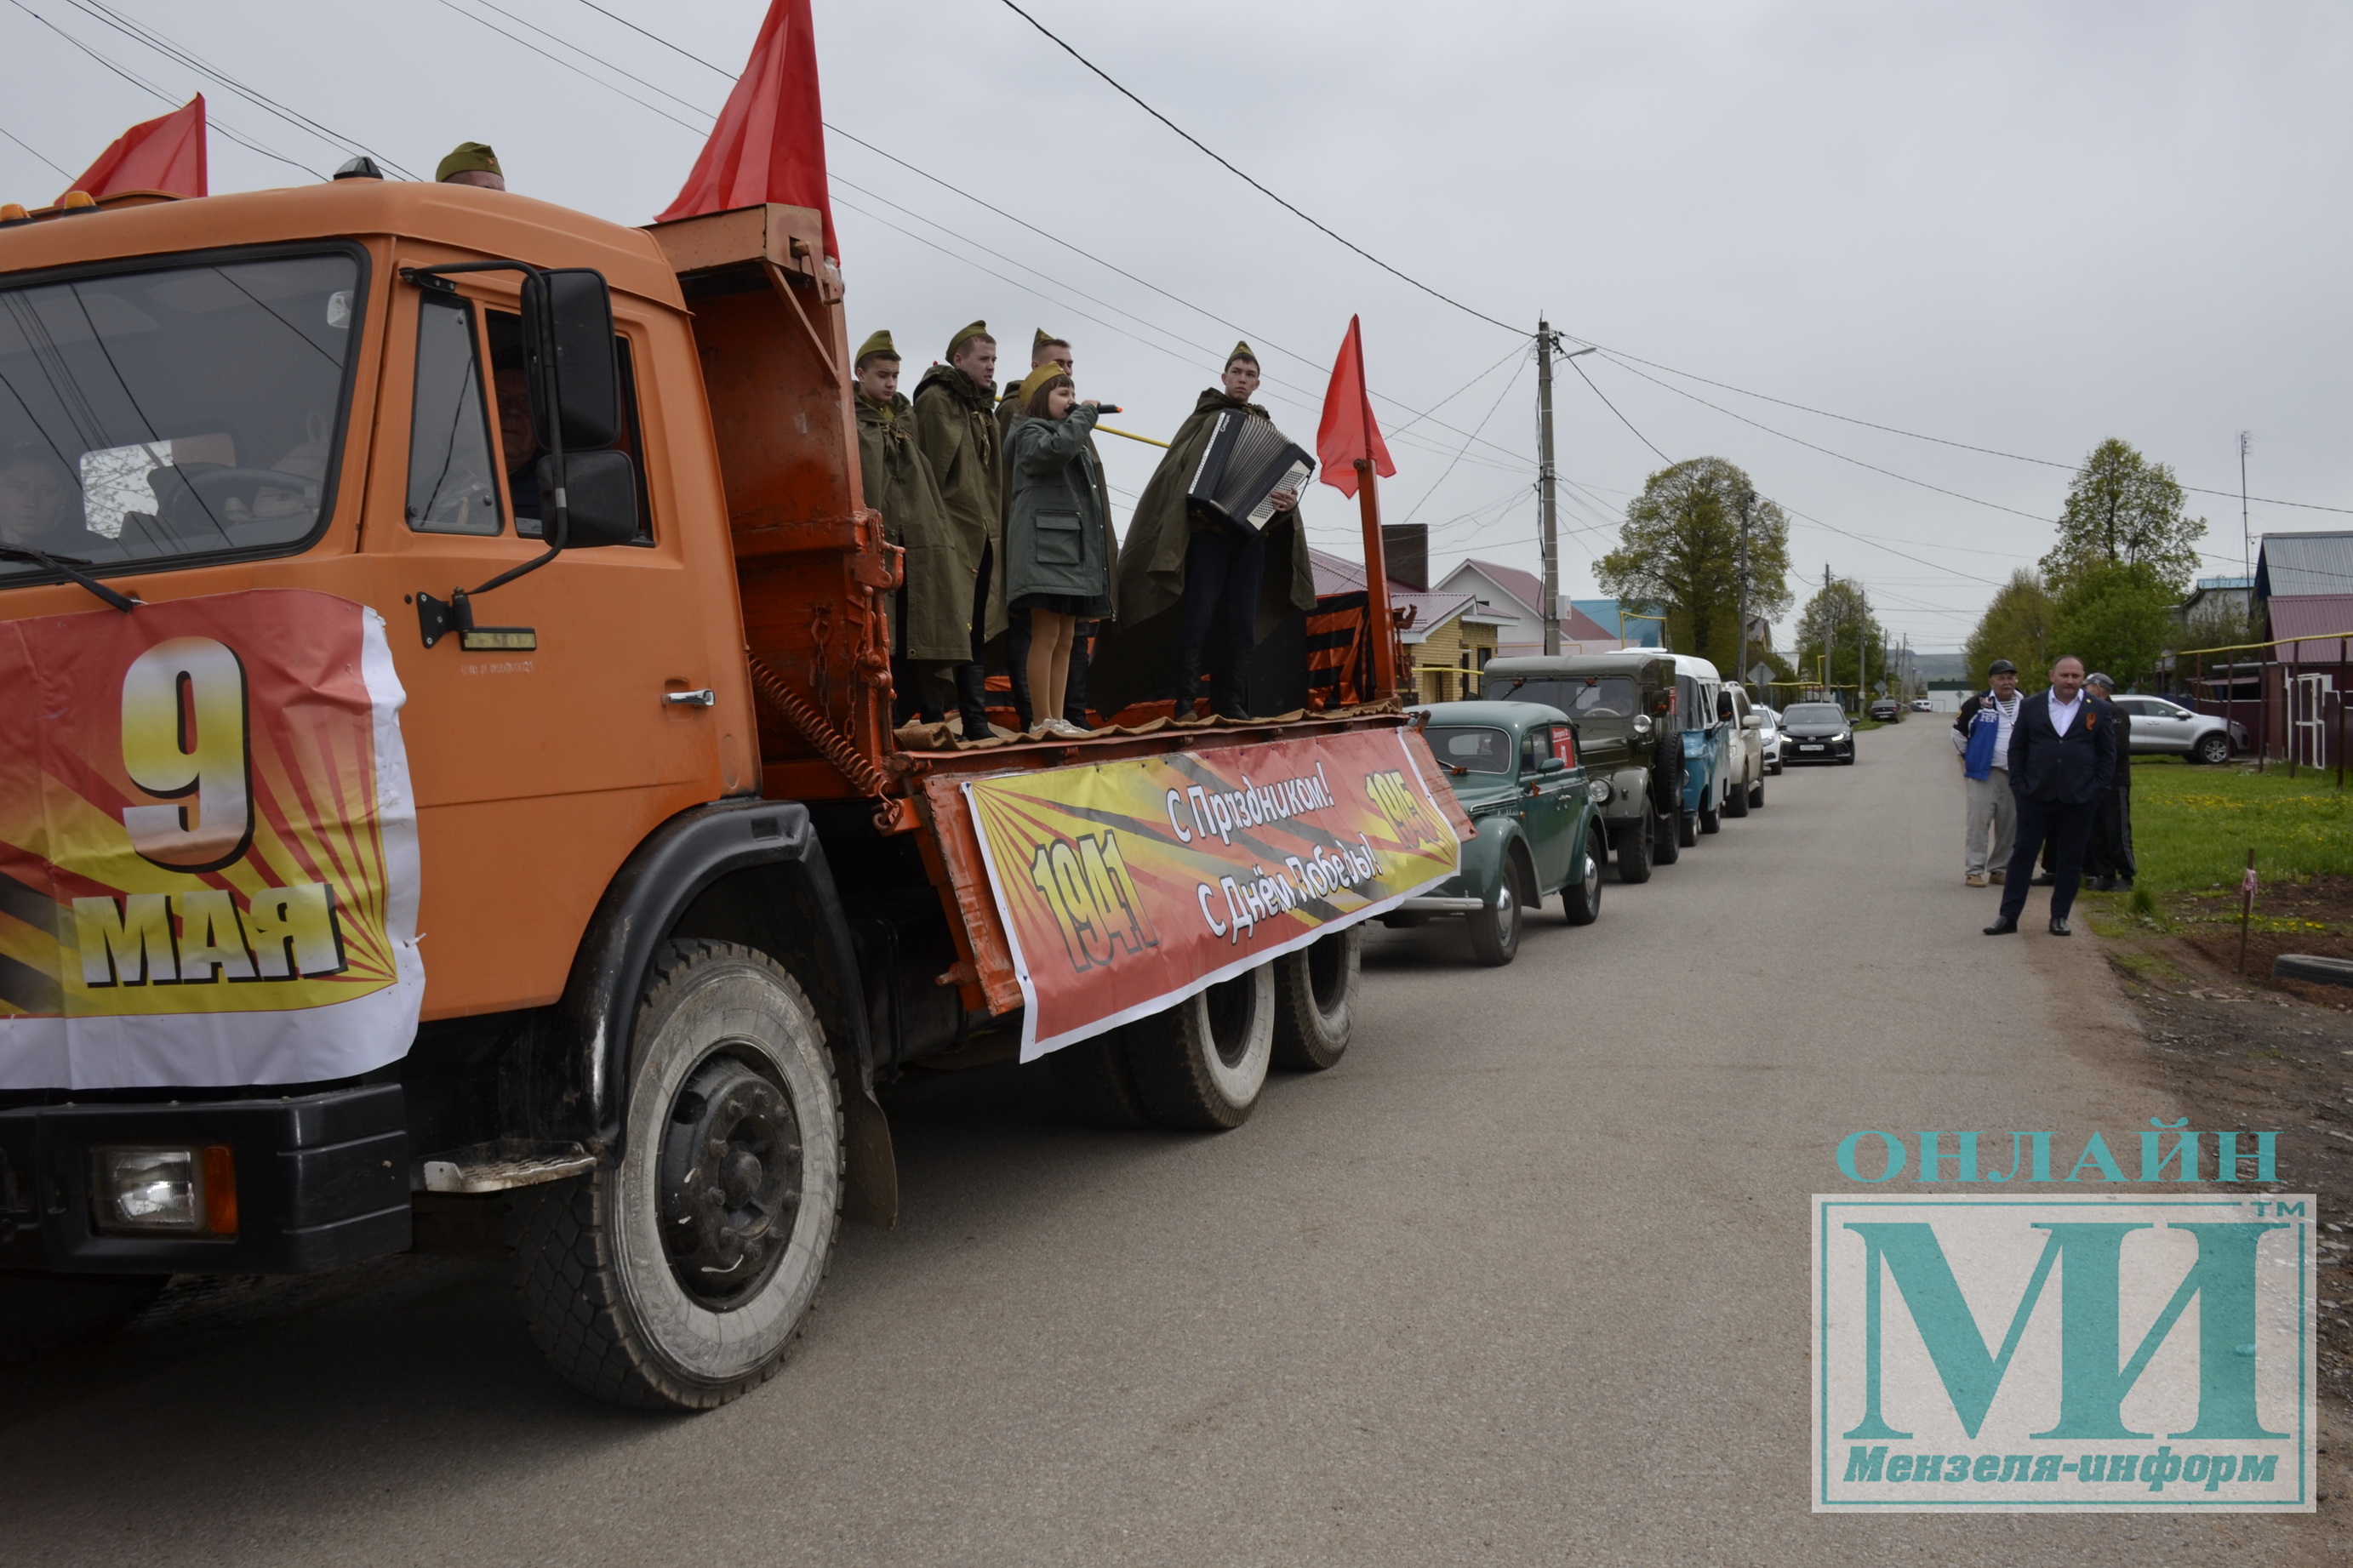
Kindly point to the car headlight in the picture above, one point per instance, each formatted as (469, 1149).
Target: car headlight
(1844, 736)
(1600, 792)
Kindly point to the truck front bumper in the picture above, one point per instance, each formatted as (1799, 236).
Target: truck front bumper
(321, 1181)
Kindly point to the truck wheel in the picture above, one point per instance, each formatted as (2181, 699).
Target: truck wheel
(1711, 816)
(1096, 1084)
(1735, 799)
(2214, 749)
(44, 1312)
(1581, 900)
(1495, 930)
(1635, 844)
(1315, 1001)
(677, 1274)
(1201, 1063)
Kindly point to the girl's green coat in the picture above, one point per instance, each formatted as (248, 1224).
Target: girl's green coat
(1057, 535)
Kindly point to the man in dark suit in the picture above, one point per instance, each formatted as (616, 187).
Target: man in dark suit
(2108, 861)
(2063, 755)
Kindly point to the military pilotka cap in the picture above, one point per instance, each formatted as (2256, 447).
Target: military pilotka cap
(470, 158)
(1038, 338)
(879, 345)
(2001, 667)
(1242, 351)
(978, 330)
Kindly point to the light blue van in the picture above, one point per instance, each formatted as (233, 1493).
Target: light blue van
(1707, 745)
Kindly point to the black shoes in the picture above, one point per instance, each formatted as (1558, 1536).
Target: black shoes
(2059, 925)
(972, 701)
(2042, 880)
(2002, 927)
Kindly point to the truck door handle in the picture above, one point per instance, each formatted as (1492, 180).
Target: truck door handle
(706, 698)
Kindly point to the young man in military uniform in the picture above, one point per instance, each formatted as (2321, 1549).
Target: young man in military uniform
(930, 618)
(957, 434)
(1191, 585)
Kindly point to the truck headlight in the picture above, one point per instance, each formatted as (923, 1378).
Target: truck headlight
(1601, 792)
(183, 1191)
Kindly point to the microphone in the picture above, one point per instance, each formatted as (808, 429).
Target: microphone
(1109, 408)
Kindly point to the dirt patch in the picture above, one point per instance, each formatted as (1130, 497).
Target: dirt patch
(2314, 916)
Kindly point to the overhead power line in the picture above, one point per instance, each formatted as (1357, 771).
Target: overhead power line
(36, 152)
(1220, 159)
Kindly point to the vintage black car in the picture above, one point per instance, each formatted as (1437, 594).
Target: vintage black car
(1629, 726)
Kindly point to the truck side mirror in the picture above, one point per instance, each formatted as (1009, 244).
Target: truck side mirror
(1551, 765)
(567, 321)
(600, 498)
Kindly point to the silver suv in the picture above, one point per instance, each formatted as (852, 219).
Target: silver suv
(2165, 728)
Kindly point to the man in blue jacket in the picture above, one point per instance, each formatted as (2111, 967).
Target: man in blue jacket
(2063, 753)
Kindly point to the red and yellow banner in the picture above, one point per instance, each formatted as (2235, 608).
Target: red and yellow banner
(1126, 887)
(208, 869)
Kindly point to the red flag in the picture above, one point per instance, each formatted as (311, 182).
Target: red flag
(769, 143)
(1348, 431)
(165, 154)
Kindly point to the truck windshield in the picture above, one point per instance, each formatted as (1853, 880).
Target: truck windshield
(185, 411)
(1478, 750)
(1579, 696)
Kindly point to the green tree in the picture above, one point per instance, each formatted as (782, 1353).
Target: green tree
(1831, 617)
(2115, 619)
(2124, 510)
(1681, 550)
(2016, 627)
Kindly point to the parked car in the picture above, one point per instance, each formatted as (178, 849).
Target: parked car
(1515, 768)
(2165, 728)
(1769, 737)
(1623, 706)
(1707, 745)
(1887, 711)
(1745, 784)
(1817, 732)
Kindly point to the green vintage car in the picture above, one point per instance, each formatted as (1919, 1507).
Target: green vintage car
(1514, 770)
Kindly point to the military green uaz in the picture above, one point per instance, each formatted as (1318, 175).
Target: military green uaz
(1514, 770)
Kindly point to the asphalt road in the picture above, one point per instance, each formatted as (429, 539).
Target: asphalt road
(1525, 1280)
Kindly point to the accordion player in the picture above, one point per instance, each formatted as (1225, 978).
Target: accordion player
(1247, 462)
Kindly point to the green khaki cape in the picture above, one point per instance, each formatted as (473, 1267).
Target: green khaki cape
(1140, 658)
(899, 485)
(956, 429)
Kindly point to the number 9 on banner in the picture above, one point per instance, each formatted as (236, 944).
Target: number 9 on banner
(184, 734)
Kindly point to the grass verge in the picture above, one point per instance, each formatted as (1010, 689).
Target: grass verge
(2193, 826)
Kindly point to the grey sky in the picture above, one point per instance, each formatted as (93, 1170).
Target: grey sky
(2020, 226)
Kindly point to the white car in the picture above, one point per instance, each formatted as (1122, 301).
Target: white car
(2163, 728)
(1768, 737)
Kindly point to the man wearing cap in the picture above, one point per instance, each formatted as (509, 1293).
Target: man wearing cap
(471, 164)
(1190, 587)
(1981, 737)
(931, 614)
(2108, 862)
(956, 433)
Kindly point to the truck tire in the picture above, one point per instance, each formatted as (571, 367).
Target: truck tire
(1735, 799)
(40, 1313)
(1495, 930)
(654, 1281)
(2212, 749)
(1200, 1065)
(1096, 1084)
(1581, 901)
(1711, 816)
(1315, 1001)
(1635, 845)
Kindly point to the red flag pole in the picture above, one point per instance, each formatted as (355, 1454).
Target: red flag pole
(1379, 623)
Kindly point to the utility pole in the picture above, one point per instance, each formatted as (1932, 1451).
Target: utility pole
(2246, 545)
(1862, 670)
(1546, 500)
(1747, 499)
(1829, 633)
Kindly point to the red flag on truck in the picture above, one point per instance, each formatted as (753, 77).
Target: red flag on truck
(166, 154)
(769, 143)
(1348, 431)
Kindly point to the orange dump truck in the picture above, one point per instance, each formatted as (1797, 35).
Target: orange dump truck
(449, 795)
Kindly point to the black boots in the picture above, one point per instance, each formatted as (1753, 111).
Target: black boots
(972, 701)
(1229, 686)
(1188, 688)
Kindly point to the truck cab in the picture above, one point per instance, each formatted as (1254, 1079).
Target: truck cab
(1627, 715)
(448, 789)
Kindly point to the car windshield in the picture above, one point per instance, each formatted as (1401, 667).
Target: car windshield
(1579, 696)
(1813, 713)
(1475, 749)
(182, 411)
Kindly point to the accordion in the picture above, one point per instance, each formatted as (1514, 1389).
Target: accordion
(1246, 462)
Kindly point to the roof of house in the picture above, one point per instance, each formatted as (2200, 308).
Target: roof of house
(2313, 615)
(1524, 587)
(2290, 565)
